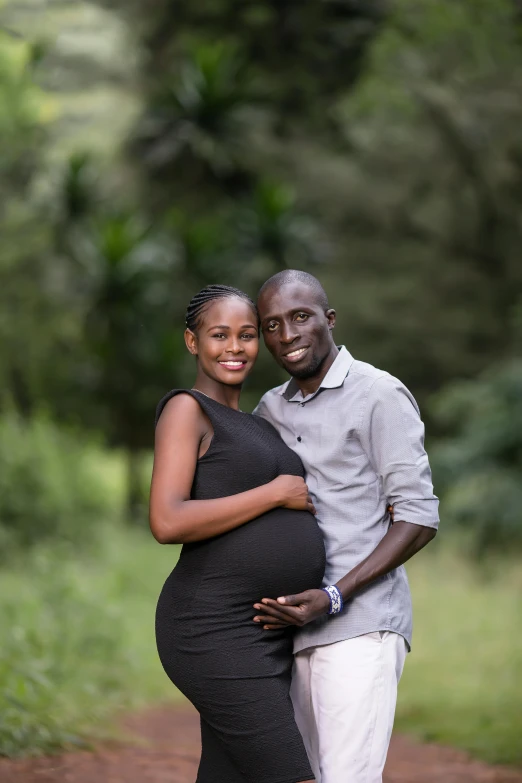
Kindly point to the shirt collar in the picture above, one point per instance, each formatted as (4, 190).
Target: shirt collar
(332, 380)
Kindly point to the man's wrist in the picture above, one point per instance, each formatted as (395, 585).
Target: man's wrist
(344, 588)
(336, 602)
(326, 600)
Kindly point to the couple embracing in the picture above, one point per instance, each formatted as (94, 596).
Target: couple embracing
(287, 619)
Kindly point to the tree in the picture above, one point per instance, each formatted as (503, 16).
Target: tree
(478, 467)
(131, 349)
(226, 89)
(435, 179)
(394, 124)
(30, 320)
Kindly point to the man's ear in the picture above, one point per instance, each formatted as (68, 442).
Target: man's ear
(191, 342)
(330, 317)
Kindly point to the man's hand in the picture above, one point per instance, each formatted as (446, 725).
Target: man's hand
(399, 544)
(297, 609)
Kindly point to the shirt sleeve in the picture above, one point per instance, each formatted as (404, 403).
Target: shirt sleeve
(262, 410)
(392, 434)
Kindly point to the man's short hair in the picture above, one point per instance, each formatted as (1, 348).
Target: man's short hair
(292, 276)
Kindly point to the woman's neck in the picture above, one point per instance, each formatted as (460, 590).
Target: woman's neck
(220, 392)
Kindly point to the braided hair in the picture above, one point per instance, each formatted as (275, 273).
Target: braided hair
(201, 300)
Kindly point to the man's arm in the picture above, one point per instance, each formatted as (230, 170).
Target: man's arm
(402, 541)
(392, 435)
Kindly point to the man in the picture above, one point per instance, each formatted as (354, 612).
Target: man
(360, 437)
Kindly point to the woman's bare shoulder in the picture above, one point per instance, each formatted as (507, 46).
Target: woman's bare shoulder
(181, 409)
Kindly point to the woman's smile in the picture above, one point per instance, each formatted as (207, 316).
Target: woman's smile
(233, 364)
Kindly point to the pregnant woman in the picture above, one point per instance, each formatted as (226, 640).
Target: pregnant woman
(226, 486)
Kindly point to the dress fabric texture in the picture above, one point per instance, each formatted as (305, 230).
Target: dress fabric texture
(236, 674)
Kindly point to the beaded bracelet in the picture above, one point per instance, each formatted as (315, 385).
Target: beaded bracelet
(336, 599)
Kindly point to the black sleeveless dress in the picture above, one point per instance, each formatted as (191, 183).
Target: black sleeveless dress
(236, 674)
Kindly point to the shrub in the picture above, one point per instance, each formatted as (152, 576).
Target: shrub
(52, 484)
(478, 467)
(78, 639)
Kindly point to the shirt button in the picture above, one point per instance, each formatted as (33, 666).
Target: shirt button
(301, 404)
(299, 438)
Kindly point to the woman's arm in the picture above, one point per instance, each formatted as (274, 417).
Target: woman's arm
(174, 518)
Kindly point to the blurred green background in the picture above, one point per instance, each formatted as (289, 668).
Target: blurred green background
(148, 150)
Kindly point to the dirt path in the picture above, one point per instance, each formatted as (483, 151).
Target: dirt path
(166, 750)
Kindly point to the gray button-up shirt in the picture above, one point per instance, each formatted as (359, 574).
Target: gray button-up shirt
(361, 441)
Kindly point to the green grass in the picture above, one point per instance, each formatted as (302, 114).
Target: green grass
(462, 683)
(78, 647)
(78, 640)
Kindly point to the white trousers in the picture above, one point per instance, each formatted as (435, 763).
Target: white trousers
(344, 697)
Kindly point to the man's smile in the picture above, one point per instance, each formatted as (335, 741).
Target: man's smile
(296, 354)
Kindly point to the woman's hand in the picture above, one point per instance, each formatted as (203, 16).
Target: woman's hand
(292, 492)
(176, 518)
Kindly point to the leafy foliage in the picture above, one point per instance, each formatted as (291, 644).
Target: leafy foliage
(436, 175)
(77, 630)
(24, 110)
(31, 318)
(50, 486)
(376, 145)
(405, 162)
(480, 465)
(196, 114)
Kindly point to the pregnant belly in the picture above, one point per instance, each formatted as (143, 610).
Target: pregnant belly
(278, 553)
(204, 617)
